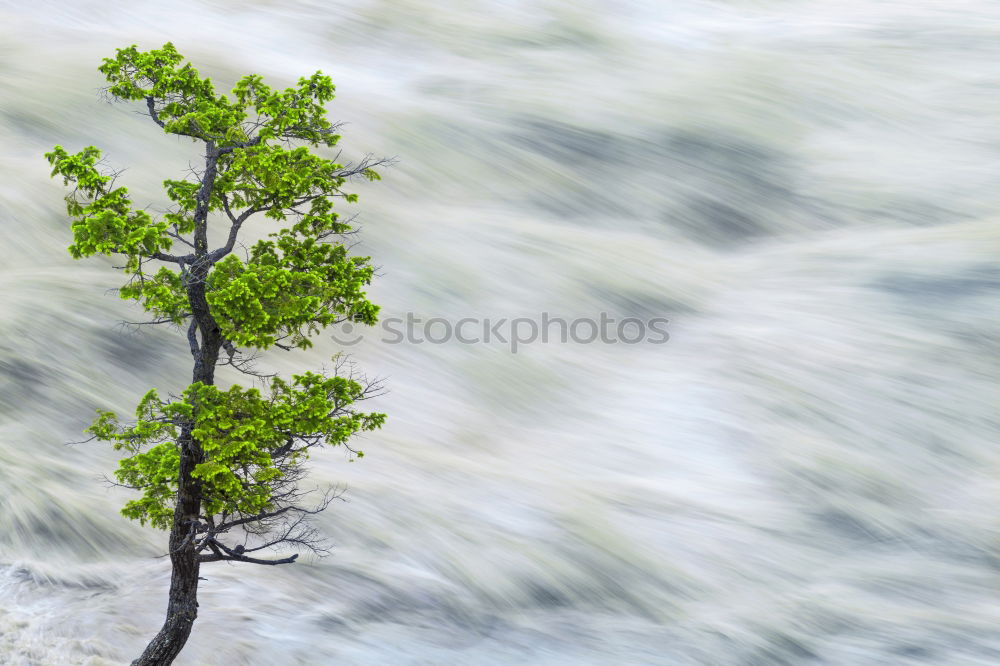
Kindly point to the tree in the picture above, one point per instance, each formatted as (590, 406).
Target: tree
(220, 468)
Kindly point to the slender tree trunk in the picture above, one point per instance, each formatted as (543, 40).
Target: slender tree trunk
(182, 604)
(182, 600)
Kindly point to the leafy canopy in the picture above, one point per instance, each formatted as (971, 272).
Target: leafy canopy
(309, 284)
(259, 162)
(241, 433)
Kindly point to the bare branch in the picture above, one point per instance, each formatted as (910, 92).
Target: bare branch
(176, 234)
(152, 111)
(244, 363)
(152, 322)
(367, 162)
(225, 150)
(171, 258)
(243, 558)
(249, 519)
(234, 229)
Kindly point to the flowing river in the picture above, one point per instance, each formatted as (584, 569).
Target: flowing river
(806, 472)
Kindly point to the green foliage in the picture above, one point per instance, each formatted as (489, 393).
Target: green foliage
(248, 440)
(162, 294)
(289, 287)
(103, 219)
(258, 171)
(192, 108)
(285, 289)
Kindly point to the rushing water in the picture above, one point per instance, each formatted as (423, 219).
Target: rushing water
(807, 472)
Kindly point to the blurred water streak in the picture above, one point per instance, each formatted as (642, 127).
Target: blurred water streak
(806, 473)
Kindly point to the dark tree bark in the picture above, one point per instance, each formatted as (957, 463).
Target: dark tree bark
(182, 604)
(182, 600)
